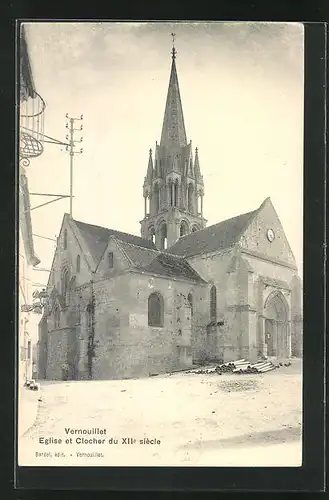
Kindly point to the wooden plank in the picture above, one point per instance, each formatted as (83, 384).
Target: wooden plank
(267, 369)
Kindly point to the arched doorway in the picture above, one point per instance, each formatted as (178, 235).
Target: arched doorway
(276, 325)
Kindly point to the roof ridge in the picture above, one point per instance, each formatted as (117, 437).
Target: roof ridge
(122, 249)
(138, 246)
(109, 229)
(188, 266)
(217, 237)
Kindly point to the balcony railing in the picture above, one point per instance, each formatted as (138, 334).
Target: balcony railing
(31, 126)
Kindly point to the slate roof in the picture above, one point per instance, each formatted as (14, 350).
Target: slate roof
(139, 256)
(165, 264)
(142, 253)
(174, 266)
(217, 237)
(97, 237)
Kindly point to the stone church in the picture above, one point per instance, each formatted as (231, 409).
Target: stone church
(124, 306)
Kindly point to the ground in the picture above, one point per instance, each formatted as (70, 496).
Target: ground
(229, 419)
(28, 409)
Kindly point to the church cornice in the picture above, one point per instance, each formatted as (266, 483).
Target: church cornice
(265, 258)
(275, 283)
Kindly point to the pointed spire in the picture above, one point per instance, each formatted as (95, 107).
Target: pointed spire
(197, 171)
(149, 175)
(173, 128)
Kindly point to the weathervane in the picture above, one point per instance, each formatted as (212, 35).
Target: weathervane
(173, 45)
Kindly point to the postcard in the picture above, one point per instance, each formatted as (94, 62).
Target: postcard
(160, 243)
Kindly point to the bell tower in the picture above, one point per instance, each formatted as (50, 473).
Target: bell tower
(173, 187)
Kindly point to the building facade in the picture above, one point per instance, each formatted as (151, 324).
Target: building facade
(181, 294)
(31, 121)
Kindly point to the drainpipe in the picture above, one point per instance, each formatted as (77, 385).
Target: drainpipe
(91, 337)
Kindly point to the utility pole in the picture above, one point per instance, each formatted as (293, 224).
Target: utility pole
(70, 146)
(71, 149)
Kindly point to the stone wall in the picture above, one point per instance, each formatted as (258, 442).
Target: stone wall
(43, 348)
(296, 317)
(66, 258)
(231, 280)
(125, 345)
(256, 235)
(237, 274)
(56, 353)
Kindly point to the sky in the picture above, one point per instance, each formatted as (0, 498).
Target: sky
(241, 87)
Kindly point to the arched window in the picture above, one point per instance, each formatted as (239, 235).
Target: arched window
(163, 241)
(190, 301)
(29, 350)
(183, 228)
(156, 198)
(65, 239)
(78, 263)
(57, 317)
(155, 310)
(152, 234)
(65, 282)
(176, 194)
(78, 314)
(191, 167)
(194, 228)
(213, 303)
(190, 197)
(110, 260)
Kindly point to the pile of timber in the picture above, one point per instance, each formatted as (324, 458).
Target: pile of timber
(240, 366)
(243, 366)
(204, 370)
(225, 368)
